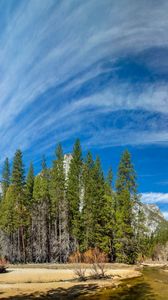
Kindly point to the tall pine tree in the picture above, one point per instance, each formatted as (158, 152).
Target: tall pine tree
(30, 183)
(5, 177)
(126, 197)
(74, 193)
(59, 207)
(94, 212)
(41, 216)
(18, 183)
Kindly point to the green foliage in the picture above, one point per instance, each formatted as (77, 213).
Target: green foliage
(48, 216)
(9, 215)
(30, 184)
(5, 177)
(18, 172)
(57, 183)
(74, 192)
(126, 197)
(96, 210)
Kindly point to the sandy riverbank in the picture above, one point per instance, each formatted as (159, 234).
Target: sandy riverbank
(56, 281)
(155, 264)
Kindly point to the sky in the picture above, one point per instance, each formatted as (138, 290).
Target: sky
(93, 69)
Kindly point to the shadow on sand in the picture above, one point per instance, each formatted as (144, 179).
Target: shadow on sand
(59, 293)
(140, 291)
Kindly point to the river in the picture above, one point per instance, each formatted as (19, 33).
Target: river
(153, 285)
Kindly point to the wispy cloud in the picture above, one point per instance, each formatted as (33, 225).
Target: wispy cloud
(59, 73)
(158, 198)
(165, 213)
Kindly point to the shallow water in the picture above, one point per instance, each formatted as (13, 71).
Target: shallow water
(153, 285)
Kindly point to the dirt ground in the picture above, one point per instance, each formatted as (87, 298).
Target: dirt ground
(56, 282)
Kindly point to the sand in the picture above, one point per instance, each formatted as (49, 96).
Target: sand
(55, 283)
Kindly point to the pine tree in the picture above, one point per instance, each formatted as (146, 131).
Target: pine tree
(109, 180)
(18, 171)
(87, 237)
(41, 216)
(126, 198)
(99, 206)
(30, 183)
(110, 214)
(59, 206)
(5, 177)
(9, 222)
(94, 213)
(74, 193)
(141, 232)
(18, 184)
(29, 204)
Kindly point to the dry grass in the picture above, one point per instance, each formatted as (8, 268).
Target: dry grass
(18, 281)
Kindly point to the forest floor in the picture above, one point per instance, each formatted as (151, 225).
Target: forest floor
(57, 281)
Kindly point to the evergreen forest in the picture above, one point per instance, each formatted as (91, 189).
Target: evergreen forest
(51, 215)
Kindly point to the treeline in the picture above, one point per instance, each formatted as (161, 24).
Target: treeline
(47, 217)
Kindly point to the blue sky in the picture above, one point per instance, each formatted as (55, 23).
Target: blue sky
(94, 69)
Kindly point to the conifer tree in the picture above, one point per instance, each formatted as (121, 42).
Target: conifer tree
(18, 184)
(18, 176)
(29, 203)
(99, 206)
(5, 177)
(87, 238)
(41, 216)
(94, 213)
(30, 183)
(74, 191)
(109, 180)
(60, 205)
(126, 198)
(9, 216)
(110, 214)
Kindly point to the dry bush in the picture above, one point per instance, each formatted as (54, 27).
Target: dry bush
(3, 265)
(75, 257)
(80, 271)
(3, 261)
(95, 257)
(98, 259)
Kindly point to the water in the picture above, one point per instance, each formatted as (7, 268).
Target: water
(153, 285)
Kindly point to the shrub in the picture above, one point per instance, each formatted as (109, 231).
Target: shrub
(80, 271)
(75, 257)
(3, 265)
(98, 259)
(95, 255)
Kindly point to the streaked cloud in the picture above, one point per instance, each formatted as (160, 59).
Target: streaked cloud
(158, 198)
(62, 66)
(165, 213)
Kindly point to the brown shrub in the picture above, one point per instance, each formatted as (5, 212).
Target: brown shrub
(95, 255)
(3, 261)
(80, 271)
(75, 257)
(98, 259)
